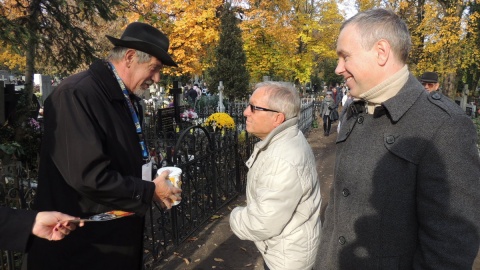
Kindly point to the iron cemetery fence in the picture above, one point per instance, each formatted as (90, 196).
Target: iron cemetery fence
(213, 174)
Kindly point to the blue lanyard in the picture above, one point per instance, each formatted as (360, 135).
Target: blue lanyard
(138, 127)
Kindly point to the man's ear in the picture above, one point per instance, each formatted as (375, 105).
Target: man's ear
(383, 51)
(129, 55)
(279, 119)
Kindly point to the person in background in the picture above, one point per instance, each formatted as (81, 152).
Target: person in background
(429, 80)
(329, 113)
(92, 156)
(282, 216)
(407, 173)
(199, 91)
(337, 94)
(18, 226)
(192, 96)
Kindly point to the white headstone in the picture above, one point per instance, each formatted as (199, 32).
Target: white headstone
(45, 87)
(463, 99)
(45, 84)
(221, 107)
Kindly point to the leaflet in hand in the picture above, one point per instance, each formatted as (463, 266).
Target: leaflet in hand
(110, 215)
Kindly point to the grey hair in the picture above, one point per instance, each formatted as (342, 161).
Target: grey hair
(376, 24)
(282, 97)
(118, 53)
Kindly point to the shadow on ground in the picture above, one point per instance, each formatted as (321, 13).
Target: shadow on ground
(216, 247)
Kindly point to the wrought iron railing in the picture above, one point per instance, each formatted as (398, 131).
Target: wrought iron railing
(213, 174)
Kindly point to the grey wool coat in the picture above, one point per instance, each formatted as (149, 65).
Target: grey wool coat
(406, 193)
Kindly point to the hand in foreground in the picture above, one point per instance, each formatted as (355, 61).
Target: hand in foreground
(165, 192)
(53, 226)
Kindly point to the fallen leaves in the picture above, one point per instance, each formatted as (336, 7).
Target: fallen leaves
(186, 260)
(192, 239)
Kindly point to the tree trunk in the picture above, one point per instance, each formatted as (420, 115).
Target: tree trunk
(449, 85)
(30, 66)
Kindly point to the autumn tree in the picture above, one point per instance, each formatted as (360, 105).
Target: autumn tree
(230, 59)
(444, 36)
(270, 40)
(11, 60)
(471, 52)
(287, 39)
(51, 32)
(191, 25)
(329, 20)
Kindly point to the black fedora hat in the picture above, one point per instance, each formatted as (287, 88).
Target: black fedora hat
(145, 38)
(429, 77)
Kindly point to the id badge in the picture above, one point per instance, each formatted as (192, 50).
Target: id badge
(147, 171)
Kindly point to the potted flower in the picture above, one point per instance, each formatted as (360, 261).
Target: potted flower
(220, 121)
(189, 115)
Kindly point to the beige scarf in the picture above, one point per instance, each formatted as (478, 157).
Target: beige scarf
(385, 90)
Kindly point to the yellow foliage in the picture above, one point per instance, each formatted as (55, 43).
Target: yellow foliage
(191, 27)
(11, 60)
(283, 38)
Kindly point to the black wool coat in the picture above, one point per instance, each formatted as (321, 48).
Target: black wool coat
(91, 163)
(406, 192)
(15, 228)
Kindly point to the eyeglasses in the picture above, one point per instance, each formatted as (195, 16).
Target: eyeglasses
(429, 84)
(254, 108)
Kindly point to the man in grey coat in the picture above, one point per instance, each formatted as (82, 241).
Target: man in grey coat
(406, 193)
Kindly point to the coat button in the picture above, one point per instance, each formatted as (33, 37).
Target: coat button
(137, 197)
(436, 96)
(342, 240)
(345, 192)
(360, 119)
(390, 139)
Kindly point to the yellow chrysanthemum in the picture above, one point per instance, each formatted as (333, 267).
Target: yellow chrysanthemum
(220, 120)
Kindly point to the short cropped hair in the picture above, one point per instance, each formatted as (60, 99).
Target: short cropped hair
(117, 53)
(282, 97)
(376, 24)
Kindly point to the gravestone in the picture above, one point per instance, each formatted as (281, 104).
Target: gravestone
(45, 83)
(470, 110)
(176, 91)
(10, 97)
(165, 118)
(168, 118)
(220, 106)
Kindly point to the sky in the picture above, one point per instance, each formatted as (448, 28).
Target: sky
(348, 6)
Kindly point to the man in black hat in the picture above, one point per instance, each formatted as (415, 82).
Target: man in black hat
(429, 80)
(92, 156)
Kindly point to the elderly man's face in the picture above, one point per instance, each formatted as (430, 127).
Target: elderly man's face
(260, 123)
(431, 86)
(142, 75)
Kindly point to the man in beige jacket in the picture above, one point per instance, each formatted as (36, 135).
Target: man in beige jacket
(283, 192)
